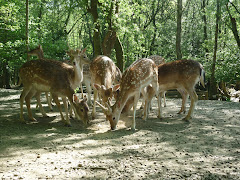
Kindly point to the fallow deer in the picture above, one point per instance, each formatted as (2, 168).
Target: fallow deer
(158, 60)
(39, 53)
(104, 73)
(135, 78)
(182, 75)
(86, 77)
(58, 78)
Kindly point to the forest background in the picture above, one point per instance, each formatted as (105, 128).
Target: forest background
(204, 30)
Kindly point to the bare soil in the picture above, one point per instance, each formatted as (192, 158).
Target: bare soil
(206, 148)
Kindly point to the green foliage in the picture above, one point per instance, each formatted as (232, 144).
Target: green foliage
(144, 28)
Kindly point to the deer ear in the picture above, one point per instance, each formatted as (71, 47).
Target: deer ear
(75, 98)
(85, 98)
(97, 86)
(84, 50)
(116, 87)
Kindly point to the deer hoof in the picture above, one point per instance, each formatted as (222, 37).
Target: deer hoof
(33, 119)
(187, 119)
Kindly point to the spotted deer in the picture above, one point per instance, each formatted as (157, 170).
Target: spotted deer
(135, 78)
(158, 60)
(104, 73)
(38, 52)
(182, 75)
(86, 77)
(58, 78)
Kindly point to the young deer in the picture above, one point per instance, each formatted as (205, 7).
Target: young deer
(182, 75)
(58, 78)
(136, 77)
(104, 73)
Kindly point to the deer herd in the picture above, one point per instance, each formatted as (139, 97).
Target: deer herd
(147, 78)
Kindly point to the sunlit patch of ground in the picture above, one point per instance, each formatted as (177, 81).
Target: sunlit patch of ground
(206, 148)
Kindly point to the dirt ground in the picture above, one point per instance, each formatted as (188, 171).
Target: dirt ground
(206, 148)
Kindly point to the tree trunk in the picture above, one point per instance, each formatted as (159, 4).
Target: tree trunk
(6, 76)
(179, 29)
(27, 43)
(109, 42)
(234, 27)
(213, 85)
(119, 54)
(96, 34)
(205, 23)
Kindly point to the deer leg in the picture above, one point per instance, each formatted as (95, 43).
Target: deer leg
(94, 104)
(55, 98)
(145, 103)
(194, 98)
(28, 99)
(89, 91)
(22, 97)
(67, 122)
(71, 111)
(184, 95)
(136, 98)
(49, 101)
(38, 94)
(160, 105)
(164, 99)
(81, 87)
(145, 109)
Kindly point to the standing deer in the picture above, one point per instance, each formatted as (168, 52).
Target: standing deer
(104, 73)
(182, 75)
(39, 53)
(136, 77)
(86, 77)
(58, 78)
(158, 60)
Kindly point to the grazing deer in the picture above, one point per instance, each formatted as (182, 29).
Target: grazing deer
(104, 73)
(136, 77)
(182, 75)
(58, 78)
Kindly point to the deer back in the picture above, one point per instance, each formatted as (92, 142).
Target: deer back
(138, 75)
(179, 73)
(157, 59)
(46, 75)
(103, 71)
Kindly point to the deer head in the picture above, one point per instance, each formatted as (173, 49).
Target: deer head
(81, 108)
(37, 52)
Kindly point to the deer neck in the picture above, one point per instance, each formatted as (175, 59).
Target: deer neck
(40, 55)
(78, 74)
(119, 105)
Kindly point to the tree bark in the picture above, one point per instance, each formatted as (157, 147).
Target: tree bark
(213, 85)
(27, 43)
(179, 29)
(96, 34)
(234, 27)
(119, 54)
(204, 22)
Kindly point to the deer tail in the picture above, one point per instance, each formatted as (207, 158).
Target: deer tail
(202, 77)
